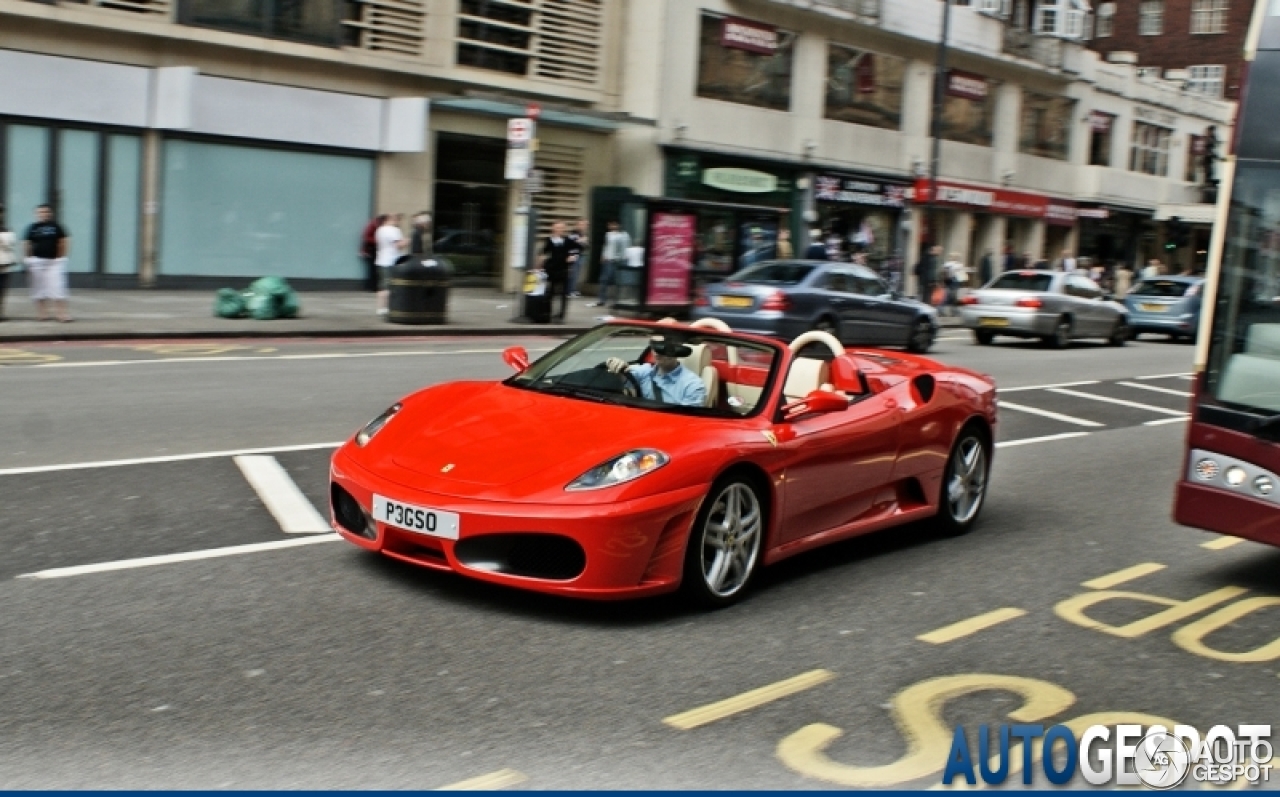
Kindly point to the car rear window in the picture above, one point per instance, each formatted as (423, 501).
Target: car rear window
(774, 273)
(1022, 281)
(1168, 288)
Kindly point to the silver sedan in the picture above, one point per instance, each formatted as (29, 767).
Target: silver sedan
(1054, 306)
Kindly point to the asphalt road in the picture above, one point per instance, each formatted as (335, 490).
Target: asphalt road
(316, 665)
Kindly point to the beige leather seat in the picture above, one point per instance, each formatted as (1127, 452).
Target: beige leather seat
(806, 375)
(699, 362)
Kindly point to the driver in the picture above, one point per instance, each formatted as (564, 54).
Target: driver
(667, 380)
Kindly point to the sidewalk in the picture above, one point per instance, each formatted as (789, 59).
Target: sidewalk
(150, 314)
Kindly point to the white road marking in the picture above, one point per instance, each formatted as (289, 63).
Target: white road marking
(1045, 387)
(1057, 416)
(494, 780)
(174, 558)
(1165, 376)
(1167, 421)
(1026, 441)
(260, 358)
(286, 503)
(116, 463)
(1121, 402)
(1153, 388)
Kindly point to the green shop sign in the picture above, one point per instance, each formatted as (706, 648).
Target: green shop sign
(741, 181)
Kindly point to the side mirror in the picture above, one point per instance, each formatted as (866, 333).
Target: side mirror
(817, 402)
(846, 377)
(516, 357)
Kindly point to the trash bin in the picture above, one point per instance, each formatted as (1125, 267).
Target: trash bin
(419, 292)
(537, 298)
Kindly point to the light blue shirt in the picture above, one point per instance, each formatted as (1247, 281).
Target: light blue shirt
(680, 386)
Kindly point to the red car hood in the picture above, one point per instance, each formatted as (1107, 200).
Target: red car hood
(491, 435)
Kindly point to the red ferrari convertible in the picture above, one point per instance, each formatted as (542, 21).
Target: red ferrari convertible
(640, 458)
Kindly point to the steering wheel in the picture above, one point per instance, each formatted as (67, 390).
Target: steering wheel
(818, 336)
(631, 385)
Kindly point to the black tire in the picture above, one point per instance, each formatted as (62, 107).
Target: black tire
(959, 504)
(713, 531)
(1061, 337)
(984, 337)
(1120, 333)
(829, 325)
(922, 335)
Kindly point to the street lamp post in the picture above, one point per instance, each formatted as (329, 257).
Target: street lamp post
(939, 89)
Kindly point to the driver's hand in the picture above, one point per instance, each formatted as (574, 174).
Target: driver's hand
(616, 365)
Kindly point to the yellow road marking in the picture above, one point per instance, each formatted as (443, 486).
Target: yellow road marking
(748, 700)
(1121, 576)
(973, 625)
(10, 355)
(1221, 542)
(494, 780)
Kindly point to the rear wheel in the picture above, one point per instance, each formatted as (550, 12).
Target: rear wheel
(1061, 337)
(921, 336)
(984, 337)
(1120, 333)
(725, 545)
(964, 484)
(827, 324)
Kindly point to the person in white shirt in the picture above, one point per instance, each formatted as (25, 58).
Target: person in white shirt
(1068, 262)
(954, 275)
(616, 243)
(8, 257)
(1152, 269)
(390, 243)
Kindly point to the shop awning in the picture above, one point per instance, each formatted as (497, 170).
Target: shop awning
(1199, 213)
(553, 115)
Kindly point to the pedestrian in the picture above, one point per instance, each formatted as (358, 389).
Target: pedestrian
(1152, 269)
(390, 248)
(616, 243)
(785, 250)
(1010, 261)
(927, 273)
(1067, 262)
(985, 266)
(47, 245)
(835, 247)
(582, 243)
(8, 257)
(420, 236)
(369, 252)
(817, 249)
(1123, 280)
(557, 260)
(954, 275)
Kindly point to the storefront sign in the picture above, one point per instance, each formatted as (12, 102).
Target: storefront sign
(1093, 213)
(967, 85)
(754, 37)
(999, 201)
(671, 242)
(741, 181)
(1100, 122)
(855, 191)
(1060, 213)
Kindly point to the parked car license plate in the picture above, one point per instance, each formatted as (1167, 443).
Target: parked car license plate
(1155, 308)
(993, 321)
(420, 519)
(733, 301)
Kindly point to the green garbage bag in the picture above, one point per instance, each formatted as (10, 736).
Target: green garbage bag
(229, 304)
(271, 297)
(260, 306)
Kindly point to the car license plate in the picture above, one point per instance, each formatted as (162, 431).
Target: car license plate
(737, 302)
(420, 519)
(1154, 308)
(990, 321)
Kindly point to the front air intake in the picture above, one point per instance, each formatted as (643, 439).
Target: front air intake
(349, 514)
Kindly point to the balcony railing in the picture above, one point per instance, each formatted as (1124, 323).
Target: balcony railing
(1044, 50)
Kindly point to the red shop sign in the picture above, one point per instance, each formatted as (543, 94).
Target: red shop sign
(966, 85)
(754, 37)
(991, 200)
(671, 236)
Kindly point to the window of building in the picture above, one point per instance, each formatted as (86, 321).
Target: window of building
(1150, 153)
(1046, 125)
(1209, 16)
(1100, 128)
(968, 109)
(1206, 79)
(295, 20)
(1105, 22)
(745, 62)
(495, 35)
(1151, 18)
(864, 88)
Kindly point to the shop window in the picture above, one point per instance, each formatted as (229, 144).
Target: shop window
(123, 204)
(1150, 152)
(1046, 125)
(864, 88)
(968, 109)
(309, 21)
(1100, 132)
(78, 152)
(26, 174)
(745, 63)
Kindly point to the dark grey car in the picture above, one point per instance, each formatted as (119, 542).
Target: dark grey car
(784, 298)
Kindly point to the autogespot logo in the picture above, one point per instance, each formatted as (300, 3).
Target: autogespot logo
(1120, 755)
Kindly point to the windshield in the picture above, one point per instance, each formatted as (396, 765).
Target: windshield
(774, 273)
(1022, 281)
(1244, 353)
(1168, 289)
(676, 369)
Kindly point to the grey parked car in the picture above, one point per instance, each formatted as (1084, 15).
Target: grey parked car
(1169, 305)
(1055, 306)
(785, 298)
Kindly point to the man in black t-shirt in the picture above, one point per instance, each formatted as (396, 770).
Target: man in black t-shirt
(558, 255)
(47, 245)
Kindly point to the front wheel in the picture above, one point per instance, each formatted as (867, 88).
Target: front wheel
(1120, 333)
(984, 337)
(921, 337)
(964, 484)
(724, 547)
(1061, 337)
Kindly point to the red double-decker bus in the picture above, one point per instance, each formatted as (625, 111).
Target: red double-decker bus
(1231, 480)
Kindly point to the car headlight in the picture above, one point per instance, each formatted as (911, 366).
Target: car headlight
(373, 427)
(620, 469)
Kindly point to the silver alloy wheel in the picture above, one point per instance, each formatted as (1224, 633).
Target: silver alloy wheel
(1062, 335)
(731, 540)
(921, 337)
(968, 483)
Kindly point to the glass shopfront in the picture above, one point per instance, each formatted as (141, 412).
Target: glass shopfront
(861, 216)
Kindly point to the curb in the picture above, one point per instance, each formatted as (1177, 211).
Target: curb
(546, 330)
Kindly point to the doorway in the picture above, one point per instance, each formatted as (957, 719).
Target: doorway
(471, 207)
